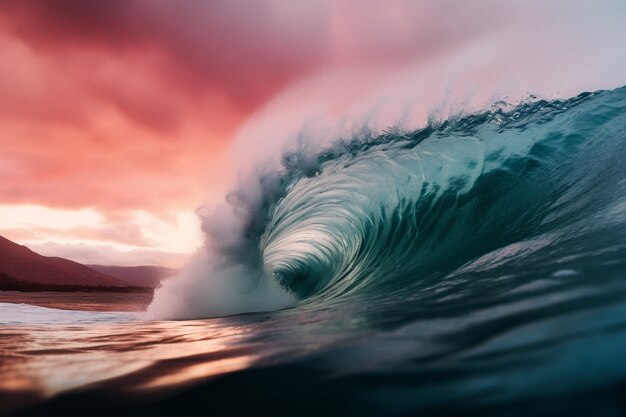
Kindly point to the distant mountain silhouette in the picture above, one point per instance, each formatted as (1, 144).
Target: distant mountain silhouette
(141, 276)
(23, 265)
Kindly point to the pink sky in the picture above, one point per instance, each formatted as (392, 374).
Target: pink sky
(117, 118)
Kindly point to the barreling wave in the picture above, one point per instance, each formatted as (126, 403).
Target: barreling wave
(380, 216)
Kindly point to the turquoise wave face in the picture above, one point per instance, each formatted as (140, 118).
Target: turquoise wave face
(392, 215)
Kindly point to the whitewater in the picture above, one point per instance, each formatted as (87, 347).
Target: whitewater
(476, 265)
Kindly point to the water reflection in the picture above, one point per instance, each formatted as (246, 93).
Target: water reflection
(45, 360)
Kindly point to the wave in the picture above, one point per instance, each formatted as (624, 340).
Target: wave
(383, 216)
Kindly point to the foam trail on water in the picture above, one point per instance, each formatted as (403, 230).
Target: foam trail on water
(228, 275)
(210, 288)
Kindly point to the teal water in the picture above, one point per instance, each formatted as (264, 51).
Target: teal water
(475, 266)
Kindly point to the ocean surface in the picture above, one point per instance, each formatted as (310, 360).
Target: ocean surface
(474, 267)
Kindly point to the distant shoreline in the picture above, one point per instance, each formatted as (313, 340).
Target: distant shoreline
(9, 283)
(81, 300)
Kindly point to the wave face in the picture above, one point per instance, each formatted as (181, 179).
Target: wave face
(389, 215)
